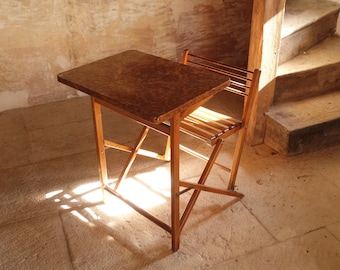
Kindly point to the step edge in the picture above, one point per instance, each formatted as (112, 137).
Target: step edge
(336, 10)
(291, 108)
(280, 67)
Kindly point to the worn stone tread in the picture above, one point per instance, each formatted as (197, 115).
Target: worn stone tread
(307, 112)
(325, 53)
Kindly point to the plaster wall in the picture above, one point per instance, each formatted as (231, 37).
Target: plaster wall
(40, 38)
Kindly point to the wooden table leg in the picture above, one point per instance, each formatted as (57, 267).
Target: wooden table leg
(175, 215)
(99, 135)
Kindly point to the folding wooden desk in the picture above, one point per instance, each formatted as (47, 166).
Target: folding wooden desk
(149, 90)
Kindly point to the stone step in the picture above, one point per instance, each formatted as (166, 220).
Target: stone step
(298, 127)
(306, 24)
(315, 72)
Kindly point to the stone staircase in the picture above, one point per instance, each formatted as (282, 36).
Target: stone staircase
(305, 114)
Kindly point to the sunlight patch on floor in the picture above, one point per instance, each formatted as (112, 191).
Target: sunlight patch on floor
(147, 190)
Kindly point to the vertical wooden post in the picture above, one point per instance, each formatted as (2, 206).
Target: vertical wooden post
(175, 224)
(264, 47)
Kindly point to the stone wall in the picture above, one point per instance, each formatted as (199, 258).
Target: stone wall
(40, 38)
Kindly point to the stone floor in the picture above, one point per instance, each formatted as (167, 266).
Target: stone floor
(53, 216)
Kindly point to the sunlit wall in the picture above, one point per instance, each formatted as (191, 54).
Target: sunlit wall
(40, 38)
